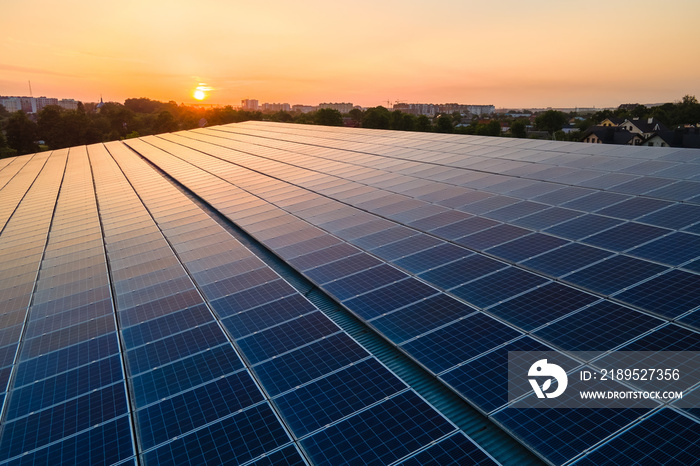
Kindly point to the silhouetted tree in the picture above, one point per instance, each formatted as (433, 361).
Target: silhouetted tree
(551, 121)
(518, 129)
(328, 117)
(444, 124)
(423, 123)
(21, 133)
(377, 118)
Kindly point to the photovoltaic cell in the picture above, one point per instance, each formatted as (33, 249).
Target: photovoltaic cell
(236, 439)
(389, 298)
(320, 403)
(614, 274)
(669, 295)
(566, 259)
(459, 341)
(462, 271)
(541, 305)
(421, 317)
(484, 380)
(382, 434)
(665, 437)
(496, 287)
(455, 449)
(600, 327)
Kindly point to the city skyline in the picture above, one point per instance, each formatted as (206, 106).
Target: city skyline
(511, 54)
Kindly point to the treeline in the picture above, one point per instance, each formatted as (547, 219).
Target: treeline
(56, 128)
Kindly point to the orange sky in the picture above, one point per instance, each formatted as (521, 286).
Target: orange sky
(509, 53)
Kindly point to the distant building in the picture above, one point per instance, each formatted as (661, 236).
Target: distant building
(342, 107)
(275, 107)
(249, 104)
(434, 109)
(303, 108)
(70, 104)
(35, 104)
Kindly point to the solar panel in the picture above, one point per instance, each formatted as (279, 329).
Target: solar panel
(199, 309)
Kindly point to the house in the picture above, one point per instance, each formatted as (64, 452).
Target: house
(643, 126)
(611, 121)
(611, 135)
(680, 137)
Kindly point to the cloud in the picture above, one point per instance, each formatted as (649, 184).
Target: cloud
(24, 69)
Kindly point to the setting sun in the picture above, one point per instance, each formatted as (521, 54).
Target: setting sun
(199, 94)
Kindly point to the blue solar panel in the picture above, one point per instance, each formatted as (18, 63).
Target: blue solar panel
(484, 380)
(178, 346)
(182, 413)
(677, 216)
(308, 362)
(669, 295)
(541, 305)
(184, 374)
(625, 236)
(457, 449)
(464, 227)
(313, 406)
(432, 257)
(595, 201)
(159, 381)
(342, 268)
(496, 287)
(107, 443)
(526, 247)
(286, 336)
(58, 389)
(462, 271)
(666, 437)
(546, 218)
(235, 440)
(492, 237)
(261, 317)
(364, 281)
(583, 226)
(600, 327)
(382, 434)
(420, 317)
(50, 364)
(561, 434)
(614, 274)
(459, 342)
(566, 259)
(673, 249)
(389, 298)
(166, 325)
(73, 416)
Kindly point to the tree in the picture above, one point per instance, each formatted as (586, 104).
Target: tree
(519, 129)
(550, 121)
(356, 115)
(21, 133)
(328, 117)
(164, 123)
(444, 124)
(377, 118)
(423, 124)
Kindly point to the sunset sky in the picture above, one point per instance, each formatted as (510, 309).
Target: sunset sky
(510, 53)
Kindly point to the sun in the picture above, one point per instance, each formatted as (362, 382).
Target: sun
(199, 94)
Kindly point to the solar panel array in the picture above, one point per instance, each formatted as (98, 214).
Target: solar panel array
(136, 328)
